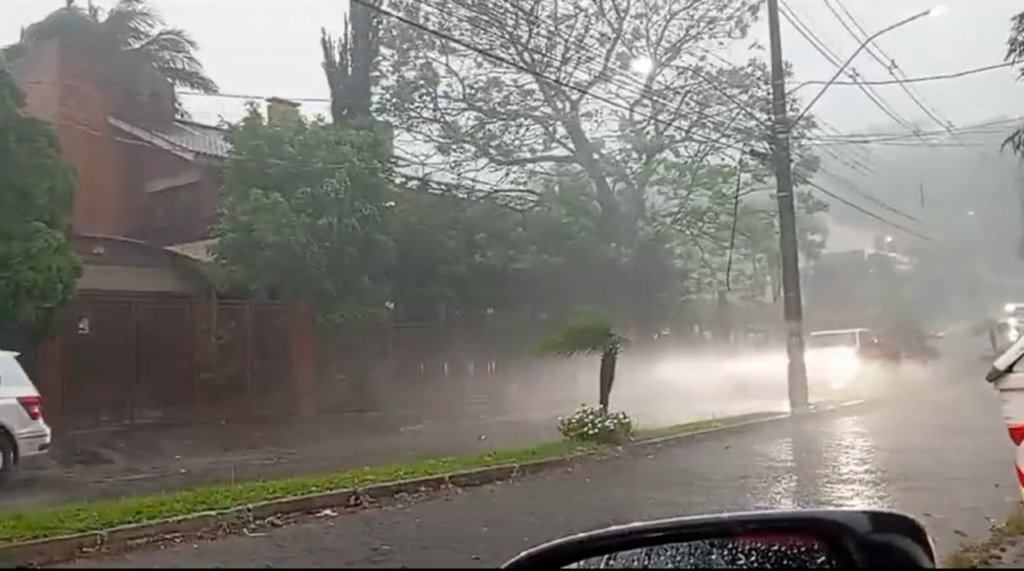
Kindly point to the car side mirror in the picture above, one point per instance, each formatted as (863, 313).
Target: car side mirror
(829, 539)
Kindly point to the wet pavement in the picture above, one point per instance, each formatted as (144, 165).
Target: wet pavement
(154, 459)
(940, 454)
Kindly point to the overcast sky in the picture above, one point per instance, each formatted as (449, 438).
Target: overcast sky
(270, 47)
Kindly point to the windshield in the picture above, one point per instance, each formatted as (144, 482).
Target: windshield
(247, 239)
(829, 340)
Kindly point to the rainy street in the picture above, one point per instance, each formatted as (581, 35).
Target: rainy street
(939, 453)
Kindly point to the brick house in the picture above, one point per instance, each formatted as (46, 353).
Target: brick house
(143, 174)
(140, 337)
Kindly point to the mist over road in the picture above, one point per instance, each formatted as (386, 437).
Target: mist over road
(938, 452)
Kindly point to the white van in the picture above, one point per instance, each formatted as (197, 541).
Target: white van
(23, 431)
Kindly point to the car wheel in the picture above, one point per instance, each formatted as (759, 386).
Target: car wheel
(7, 456)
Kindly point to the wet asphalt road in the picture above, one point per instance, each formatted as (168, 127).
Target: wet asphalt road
(942, 456)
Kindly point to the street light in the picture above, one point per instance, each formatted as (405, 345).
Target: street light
(938, 10)
(788, 246)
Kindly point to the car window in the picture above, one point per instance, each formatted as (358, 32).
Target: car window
(12, 375)
(827, 340)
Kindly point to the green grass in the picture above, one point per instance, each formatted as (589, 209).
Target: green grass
(690, 427)
(35, 523)
(985, 553)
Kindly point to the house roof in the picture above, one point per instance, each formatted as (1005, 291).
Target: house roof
(198, 138)
(184, 138)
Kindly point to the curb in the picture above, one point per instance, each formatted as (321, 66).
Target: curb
(52, 550)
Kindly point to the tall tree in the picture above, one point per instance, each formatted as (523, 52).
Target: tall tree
(305, 214)
(1015, 54)
(626, 94)
(38, 268)
(132, 29)
(350, 63)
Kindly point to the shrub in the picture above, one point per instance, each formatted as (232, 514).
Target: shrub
(594, 424)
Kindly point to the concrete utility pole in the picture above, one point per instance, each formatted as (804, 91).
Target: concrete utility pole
(792, 304)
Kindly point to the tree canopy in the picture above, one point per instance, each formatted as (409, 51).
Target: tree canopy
(546, 155)
(305, 213)
(130, 29)
(38, 269)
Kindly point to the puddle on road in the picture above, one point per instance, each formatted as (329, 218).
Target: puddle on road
(834, 465)
(851, 474)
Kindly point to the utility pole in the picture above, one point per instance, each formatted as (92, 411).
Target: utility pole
(792, 304)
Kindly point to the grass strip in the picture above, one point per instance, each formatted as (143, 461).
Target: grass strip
(989, 552)
(52, 521)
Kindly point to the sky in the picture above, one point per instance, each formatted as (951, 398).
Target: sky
(271, 48)
(265, 48)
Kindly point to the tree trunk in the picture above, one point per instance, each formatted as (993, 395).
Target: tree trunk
(724, 332)
(608, 360)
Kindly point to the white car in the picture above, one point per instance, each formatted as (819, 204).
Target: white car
(23, 430)
(833, 356)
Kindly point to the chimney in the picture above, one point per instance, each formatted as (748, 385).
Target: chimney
(279, 109)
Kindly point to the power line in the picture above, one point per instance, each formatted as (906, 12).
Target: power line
(981, 128)
(857, 83)
(919, 79)
(525, 69)
(869, 213)
(872, 198)
(849, 186)
(879, 55)
(872, 48)
(644, 87)
(804, 30)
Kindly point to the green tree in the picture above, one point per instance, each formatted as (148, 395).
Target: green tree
(453, 253)
(589, 332)
(350, 63)
(1015, 54)
(305, 215)
(38, 268)
(130, 29)
(565, 101)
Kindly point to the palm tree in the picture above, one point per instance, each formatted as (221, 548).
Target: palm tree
(131, 28)
(589, 332)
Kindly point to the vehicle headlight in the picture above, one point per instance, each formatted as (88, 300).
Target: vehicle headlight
(838, 366)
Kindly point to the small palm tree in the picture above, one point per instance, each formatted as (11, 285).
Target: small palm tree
(131, 28)
(589, 332)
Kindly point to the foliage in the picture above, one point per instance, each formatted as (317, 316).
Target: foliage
(531, 195)
(38, 268)
(132, 32)
(350, 63)
(305, 214)
(595, 424)
(589, 332)
(1015, 54)
(650, 158)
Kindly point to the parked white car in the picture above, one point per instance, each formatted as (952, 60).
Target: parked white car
(23, 430)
